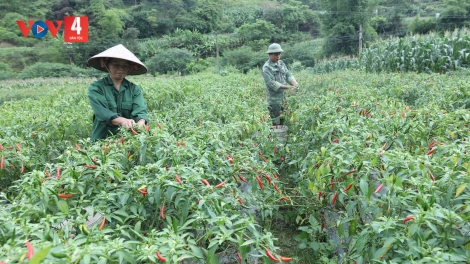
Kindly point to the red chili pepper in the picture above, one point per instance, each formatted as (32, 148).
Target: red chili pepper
(432, 177)
(1, 147)
(334, 199)
(65, 196)
(347, 188)
(159, 126)
(431, 152)
(105, 149)
(240, 201)
(103, 222)
(242, 178)
(239, 256)
(284, 198)
(178, 178)
(133, 131)
(22, 169)
(205, 182)
(335, 140)
(322, 226)
(162, 259)
(143, 192)
(77, 147)
(58, 172)
(263, 159)
(275, 176)
(30, 249)
(268, 178)
(319, 195)
(91, 166)
(275, 187)
(220, 184)
(275, 150)
(162, 212)
(230, 159)
(271, 256)
(260, 182)
(378, 188)
(122, 140)
(408, 219)
(431, 145)
(332, 184)
(2, 163)
(285, 259)
(349, 172)
(18, 147)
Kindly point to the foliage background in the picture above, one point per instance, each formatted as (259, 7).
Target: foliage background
(312, 30)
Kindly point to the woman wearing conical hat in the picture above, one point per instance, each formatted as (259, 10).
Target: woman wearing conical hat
(115, 100)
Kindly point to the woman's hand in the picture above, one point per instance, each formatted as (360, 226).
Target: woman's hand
(121, 121)
(141, 122)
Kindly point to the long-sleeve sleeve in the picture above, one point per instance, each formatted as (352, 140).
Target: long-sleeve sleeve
(270, 80)
(139, 107)
(103, 112)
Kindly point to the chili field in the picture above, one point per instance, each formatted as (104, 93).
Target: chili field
(375, 169)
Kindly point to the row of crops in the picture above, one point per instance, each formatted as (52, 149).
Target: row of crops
(375, 169)
(420, 54)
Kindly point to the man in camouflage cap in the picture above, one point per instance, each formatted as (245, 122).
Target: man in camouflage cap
(277, 79)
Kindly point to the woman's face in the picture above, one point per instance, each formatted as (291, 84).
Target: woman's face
(118, 68)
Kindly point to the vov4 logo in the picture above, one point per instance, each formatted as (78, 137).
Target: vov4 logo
(75, 28)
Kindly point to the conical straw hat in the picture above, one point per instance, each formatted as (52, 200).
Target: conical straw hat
(118, 52)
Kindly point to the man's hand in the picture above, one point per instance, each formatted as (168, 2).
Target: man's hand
(294, 83)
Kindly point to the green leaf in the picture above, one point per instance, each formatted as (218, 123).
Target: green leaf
(460, 189)
(127, 256)
(197, 251)
(118, 174)
(389, 241)
(86, 259)
(63, 206)
(40, 255)
(248, 242)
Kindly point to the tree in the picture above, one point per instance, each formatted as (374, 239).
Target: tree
(341, 20)
(455, 15)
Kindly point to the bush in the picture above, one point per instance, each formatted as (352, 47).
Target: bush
(196, 66)
(47, 69)
(244, 59)
(172, 60)
(422, 26)
(303, 52)
(261, 29)
(6, 72)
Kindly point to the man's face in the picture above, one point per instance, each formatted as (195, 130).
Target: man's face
(274, 57)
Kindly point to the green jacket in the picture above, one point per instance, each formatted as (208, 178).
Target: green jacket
(275, 76)
(108, 103)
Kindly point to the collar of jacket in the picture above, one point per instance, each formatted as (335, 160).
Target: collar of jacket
(108, 81)
(271, 63)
